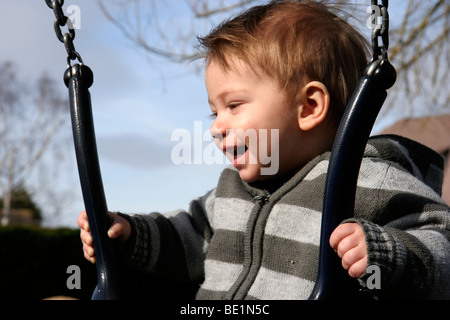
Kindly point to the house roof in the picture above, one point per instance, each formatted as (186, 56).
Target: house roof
(433, 132)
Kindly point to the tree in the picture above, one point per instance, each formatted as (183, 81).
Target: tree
(419, 46)
(420, 51)
(29, 120)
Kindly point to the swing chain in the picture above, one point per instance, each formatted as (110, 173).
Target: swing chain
(66, 38)
(380, 31)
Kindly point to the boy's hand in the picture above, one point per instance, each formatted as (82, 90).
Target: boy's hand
(349, 242)
(120, 229)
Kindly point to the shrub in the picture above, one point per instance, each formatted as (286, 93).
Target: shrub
(34, 262)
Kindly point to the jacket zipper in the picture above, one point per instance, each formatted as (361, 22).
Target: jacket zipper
(240, 289)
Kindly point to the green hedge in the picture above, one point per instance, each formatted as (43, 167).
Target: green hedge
(34, 262)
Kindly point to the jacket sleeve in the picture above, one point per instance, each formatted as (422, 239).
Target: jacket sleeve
(407, 229)
(171, 244)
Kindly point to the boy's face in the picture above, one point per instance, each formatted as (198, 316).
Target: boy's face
(254, 125)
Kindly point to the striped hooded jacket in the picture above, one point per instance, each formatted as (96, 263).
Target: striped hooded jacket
(249, 241)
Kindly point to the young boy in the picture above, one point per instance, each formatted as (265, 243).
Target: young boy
(290, 67)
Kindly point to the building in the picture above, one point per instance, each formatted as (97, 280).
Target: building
(23, 217)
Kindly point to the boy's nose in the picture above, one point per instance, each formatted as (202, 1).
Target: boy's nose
(218, 129)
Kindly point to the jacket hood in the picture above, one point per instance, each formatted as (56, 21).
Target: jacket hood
(424, 163)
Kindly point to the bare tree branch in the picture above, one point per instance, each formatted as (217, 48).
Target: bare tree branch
(136, 35)
(206, 12)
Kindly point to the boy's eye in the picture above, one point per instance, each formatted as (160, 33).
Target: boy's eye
(234, 105)
(213, 116)
(231, 105)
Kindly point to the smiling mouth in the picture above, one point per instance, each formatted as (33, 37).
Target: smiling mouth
(239, 151)
(236, 152)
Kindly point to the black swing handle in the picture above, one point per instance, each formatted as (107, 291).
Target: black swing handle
(78, 78)
(343, 169)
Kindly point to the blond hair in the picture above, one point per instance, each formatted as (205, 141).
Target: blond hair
(294, 42)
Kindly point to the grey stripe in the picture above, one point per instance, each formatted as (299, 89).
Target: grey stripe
(308, 194)
(229, 272)
(386, 206)
(204, 294)
(377, 175)
(291, 257)
(306, 226)
(319, 170)
(230, 177)
(230, 214)
(270, 285)
(227, 246)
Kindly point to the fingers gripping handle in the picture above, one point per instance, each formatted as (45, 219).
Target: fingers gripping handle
(78, 79)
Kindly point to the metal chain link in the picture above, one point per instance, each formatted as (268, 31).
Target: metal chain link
(68, 37)
(381, 31)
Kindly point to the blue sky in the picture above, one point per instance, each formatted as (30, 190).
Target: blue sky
(137, 105)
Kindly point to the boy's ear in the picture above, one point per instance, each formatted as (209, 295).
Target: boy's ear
(313, 106)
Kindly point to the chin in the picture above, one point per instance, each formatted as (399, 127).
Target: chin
(249, 174)
(248, 178)
(253, 173)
